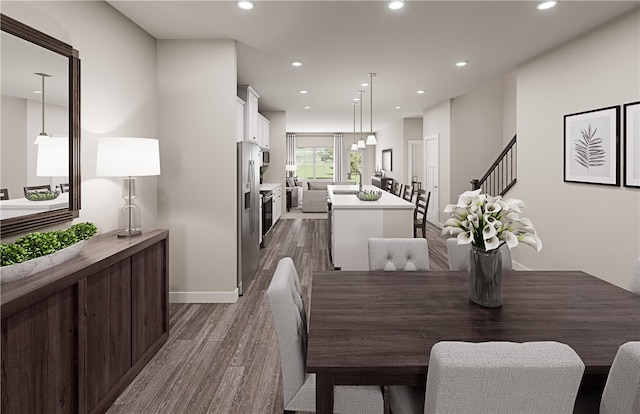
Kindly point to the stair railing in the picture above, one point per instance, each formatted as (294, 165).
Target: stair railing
(502, 174)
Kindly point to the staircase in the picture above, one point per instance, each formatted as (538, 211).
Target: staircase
(502, 174)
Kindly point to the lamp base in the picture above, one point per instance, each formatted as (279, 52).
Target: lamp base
(129, 222)
(129, 233)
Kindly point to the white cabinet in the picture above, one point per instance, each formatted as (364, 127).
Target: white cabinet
(277, 203)
(251, 127)
(239, 120)
(263, 134)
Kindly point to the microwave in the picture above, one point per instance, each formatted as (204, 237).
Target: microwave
(264, 157)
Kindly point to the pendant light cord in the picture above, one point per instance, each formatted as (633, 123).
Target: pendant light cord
(360, 135)
(43, 75)
(42, 104)
(371, 75)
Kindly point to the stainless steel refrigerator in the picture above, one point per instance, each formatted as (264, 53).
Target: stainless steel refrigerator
(248, 213)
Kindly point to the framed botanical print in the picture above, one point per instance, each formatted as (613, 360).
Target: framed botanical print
(592, 147)
(631, 144)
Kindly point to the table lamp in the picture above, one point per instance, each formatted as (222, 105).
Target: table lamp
(128, 158)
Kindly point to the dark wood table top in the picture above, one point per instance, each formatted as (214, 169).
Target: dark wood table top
(376, 323)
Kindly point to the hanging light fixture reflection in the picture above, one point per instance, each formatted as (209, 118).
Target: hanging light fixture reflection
(42, 133)
(371, 139)
(361, 144)
(354, 146)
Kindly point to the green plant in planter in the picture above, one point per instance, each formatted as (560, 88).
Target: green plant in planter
(40, 244)
(49, 195)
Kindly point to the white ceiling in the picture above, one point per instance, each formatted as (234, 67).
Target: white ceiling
(21, 60)
(340, 42)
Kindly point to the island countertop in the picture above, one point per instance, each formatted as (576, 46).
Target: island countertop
(351, 201)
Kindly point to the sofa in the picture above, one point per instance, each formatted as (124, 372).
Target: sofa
(314, 195)
(295, 187)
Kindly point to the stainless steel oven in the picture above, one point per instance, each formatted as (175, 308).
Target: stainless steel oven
(267, 216)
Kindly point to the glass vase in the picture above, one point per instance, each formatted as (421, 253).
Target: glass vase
(485, 277)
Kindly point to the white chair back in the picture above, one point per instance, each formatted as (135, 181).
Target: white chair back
(502, 378)
(621, 394)
(459, 255)
(290, 320)
(397, 254)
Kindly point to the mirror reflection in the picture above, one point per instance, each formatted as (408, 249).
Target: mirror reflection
(34, 167)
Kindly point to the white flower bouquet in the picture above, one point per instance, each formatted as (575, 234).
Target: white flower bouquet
(486, 222)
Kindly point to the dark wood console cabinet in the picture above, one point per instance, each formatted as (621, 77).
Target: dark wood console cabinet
(74, 336)
(380, 182)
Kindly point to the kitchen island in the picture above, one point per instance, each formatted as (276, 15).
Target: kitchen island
(353, 222)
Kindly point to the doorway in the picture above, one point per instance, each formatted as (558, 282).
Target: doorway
(415, 164)
(431, 169)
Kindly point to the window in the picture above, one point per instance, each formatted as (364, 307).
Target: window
(314, 162)
(355, 164)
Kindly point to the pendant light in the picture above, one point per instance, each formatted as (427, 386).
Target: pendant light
(354, 146)
(361, 144)
(42, 133)
(371, 139)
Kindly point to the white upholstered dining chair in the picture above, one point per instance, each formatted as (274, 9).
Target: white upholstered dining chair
(494, 378)
(621, 393)
(299, 387)
(398, 254)
(634, 284)
(458, 255)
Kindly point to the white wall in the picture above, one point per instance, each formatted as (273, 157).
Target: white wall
(391, 137)
(476, 134)
(437, 120)
(118, 88)
(509, 107)
(412, 131)
(197, 188)
(588, 227)
(14, 164)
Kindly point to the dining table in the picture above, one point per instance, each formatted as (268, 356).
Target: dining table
(377, 328)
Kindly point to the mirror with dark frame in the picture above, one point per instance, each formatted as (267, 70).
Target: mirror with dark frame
(40, 93)
(387, 159)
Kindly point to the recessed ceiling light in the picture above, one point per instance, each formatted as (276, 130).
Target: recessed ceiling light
(356, 99)
(296, 63)
(307, 107)
(396, 4)
(398, 107)
(37, 91)
(364, 84)
(246, 4)
(462, 63)
(420, 92)
(302, 91)
(546, 5)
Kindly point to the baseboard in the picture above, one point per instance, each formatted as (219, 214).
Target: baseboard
(518, 266)
(203, 297)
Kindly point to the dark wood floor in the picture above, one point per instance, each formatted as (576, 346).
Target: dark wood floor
(223, 358)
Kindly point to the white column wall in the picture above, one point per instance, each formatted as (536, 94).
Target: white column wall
(197, 188)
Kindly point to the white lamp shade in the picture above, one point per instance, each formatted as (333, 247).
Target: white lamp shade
(128, 157)
(354, 147)
(371, 140)
(53, 157)
(290, 167)
(361, 144)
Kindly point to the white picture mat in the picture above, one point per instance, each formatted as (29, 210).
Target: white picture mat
(632, 145)
(605, 121)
